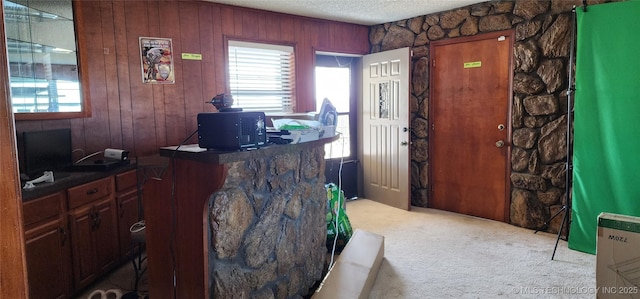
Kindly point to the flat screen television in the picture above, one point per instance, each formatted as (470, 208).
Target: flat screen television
(48, 150)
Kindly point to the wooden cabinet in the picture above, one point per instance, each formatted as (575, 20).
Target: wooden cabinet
(47, 247)
(94, 232)
(76, 235)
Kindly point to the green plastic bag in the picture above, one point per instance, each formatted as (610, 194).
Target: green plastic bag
(337, 220)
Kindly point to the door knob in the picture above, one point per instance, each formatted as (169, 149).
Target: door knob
(499, 143)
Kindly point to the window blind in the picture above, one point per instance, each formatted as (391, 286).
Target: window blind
(261, 76)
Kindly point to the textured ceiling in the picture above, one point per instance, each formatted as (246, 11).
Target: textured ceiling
(364, 12)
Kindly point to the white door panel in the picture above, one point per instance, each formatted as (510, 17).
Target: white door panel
(384, 126)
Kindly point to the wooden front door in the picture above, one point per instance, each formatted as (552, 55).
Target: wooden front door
(469, 140)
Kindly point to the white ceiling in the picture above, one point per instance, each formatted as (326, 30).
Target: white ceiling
(364, 12)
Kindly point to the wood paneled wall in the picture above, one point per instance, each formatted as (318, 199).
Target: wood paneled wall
(143, 117)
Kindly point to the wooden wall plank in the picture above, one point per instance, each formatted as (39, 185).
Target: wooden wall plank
(137, 25)
(250, 25)
(174, 107)
(304, 58)
(121, 53)
(111, 69)
(156, 26)
(227, 20)
(272, 27)
(97, 126)
(287, 29)
(261, 22)
(219, 51)
(207, 49)
(192, 75)
(237, 21)
(322, 35)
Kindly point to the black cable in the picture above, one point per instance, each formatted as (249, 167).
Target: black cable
(566, 206)
(343, 65)
(172, 203)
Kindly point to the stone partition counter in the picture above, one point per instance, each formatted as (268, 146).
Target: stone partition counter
(263, 230)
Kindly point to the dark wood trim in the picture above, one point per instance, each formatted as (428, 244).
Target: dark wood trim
(465, 39)
(356, 79)
(83, 75)
(507, 210)
(48, 115)
(13, 281)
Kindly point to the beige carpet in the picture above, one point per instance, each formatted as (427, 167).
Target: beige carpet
(436, 254)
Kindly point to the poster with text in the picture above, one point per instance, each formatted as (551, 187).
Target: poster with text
(157, 60)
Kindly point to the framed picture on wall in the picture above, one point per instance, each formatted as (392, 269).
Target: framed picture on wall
(157, 60)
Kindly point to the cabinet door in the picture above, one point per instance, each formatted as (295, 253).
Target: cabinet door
(82, 222)
(127, 216)
(106, 235)
(95, 240)
(48, 260)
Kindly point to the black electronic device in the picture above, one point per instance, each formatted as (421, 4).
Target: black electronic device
(223, 103)
(48, 150)
(231, 130)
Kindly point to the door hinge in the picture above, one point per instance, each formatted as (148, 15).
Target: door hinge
(433, 63)
(433, 127)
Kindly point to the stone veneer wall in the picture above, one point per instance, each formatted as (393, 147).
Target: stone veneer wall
(539, 122)
(268, 228)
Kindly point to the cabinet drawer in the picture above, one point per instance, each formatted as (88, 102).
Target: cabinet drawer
(89, 192)
(126, 180)
(42, 208)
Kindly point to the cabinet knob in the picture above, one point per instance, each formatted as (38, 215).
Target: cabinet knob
(63, 234)
(96, 220)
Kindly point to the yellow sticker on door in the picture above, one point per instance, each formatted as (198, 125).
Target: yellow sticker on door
(472, 64)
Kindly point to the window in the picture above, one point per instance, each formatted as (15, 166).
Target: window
(261, 76)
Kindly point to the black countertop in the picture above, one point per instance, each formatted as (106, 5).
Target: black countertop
(66, 180)
(70, 179)
(195, 153)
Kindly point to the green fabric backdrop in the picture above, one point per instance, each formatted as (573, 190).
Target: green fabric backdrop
(606, 174)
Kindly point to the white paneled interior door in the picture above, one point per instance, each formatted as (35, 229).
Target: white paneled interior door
(385, 138)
